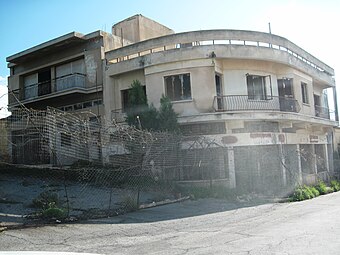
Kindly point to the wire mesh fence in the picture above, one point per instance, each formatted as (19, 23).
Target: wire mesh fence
(79, 166)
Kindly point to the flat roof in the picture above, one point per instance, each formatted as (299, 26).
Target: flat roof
(69, 39)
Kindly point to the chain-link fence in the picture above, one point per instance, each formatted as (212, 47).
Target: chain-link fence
(79, 166)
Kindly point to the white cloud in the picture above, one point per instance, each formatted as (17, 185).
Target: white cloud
(3, 80)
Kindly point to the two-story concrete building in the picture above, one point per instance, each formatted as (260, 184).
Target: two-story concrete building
(260, 97)
(66, 73)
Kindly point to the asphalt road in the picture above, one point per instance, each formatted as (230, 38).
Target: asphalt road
(197, 227)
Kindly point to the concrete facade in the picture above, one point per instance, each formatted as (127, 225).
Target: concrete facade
(260, 97)
(266, 93)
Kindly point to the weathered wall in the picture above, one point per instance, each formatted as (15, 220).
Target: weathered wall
(139, 28)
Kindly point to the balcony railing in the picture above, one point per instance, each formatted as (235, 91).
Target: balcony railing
(246, 103)
(217, 37)
(38, 89)
(63, 83)
(70, 82)
(322, 112)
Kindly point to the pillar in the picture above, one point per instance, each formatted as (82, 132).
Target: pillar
(231, 167)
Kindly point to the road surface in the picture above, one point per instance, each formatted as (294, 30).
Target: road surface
(197, 227)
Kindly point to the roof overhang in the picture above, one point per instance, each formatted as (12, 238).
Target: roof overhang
(70, 39)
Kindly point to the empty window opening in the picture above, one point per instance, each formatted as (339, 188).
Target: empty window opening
(304, 93)
(178, 87)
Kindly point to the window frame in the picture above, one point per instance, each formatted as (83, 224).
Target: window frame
(304, 93)
(174, 99)
(266, 93)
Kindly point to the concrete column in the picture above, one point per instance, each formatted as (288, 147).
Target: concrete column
(283, 165)
(326, 158)
(231, 167)
(299, 164)
(315, 164)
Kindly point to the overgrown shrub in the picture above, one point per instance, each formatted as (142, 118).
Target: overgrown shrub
(298, 195)
(315, 191)
(335, 185)
(54, 212)
(304, 193)
(321, 187)
(45, 199)
(308, 192)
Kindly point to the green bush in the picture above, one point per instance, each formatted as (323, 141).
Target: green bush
(45, 199)
(303, 193)
(335, 185)
(54, 213)
(298, 195)
(321, 187)
(315, 191)
(308, 194)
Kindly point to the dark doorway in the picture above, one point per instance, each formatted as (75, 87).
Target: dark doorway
(44, 82)
(219, 92)
(286, 95)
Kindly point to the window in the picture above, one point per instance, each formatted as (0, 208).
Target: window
(97, 102)
(304, 93)
(65, 139)
(78, 106)
(177, 87)
(256, 86)
(87, 104)
(68, 108)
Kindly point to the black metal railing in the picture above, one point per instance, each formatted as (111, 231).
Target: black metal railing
(245, 103)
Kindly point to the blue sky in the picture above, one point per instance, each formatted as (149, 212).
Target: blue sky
(313, 25)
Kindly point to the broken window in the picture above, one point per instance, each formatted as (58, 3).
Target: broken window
(257, 87)
(178, 87)
(304, 93)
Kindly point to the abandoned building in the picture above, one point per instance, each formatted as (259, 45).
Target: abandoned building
(261, 98)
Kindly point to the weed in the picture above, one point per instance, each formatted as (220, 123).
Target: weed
(315, 191)
(335, 185)
(44, 200)
(53, 212)
(321, 187)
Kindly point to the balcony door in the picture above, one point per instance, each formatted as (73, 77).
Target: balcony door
(286, 96)
(219, 91)
(44, 82)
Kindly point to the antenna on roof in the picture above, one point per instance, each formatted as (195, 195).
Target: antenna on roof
(270, 32)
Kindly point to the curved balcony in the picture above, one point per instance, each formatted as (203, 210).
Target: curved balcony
(245, 103)
(218, 37)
